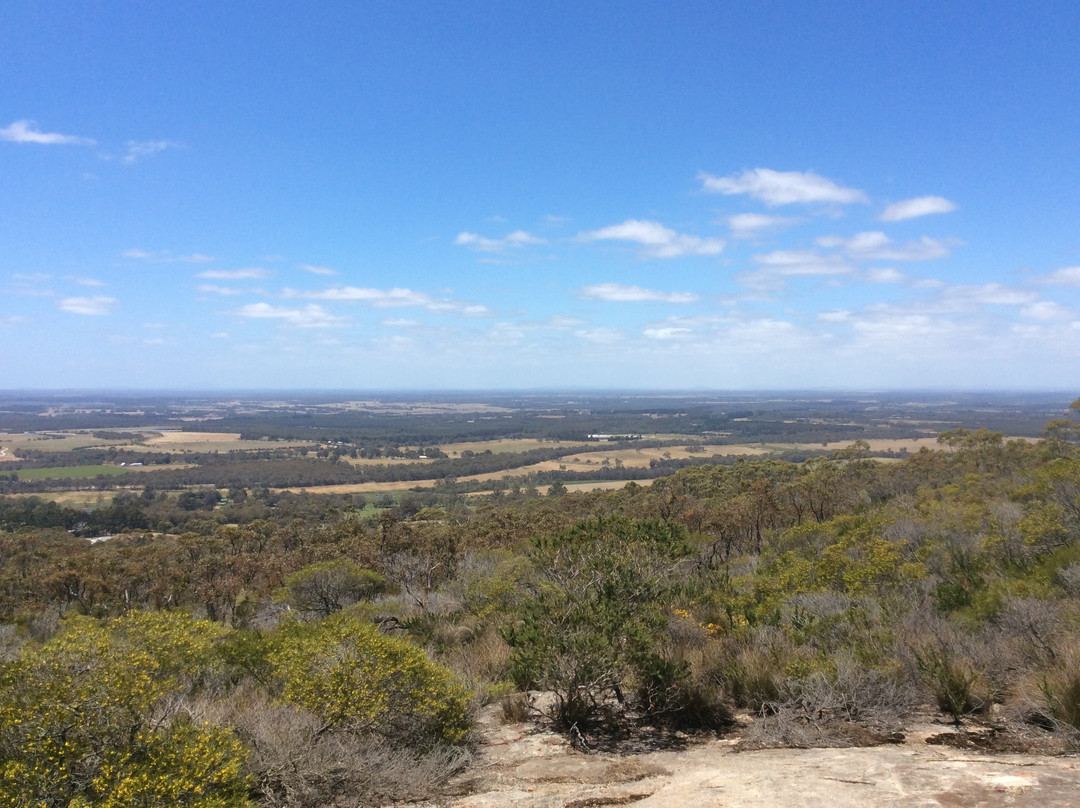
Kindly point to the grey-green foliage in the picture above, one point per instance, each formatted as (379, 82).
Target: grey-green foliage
(329, 586)
(590, 629)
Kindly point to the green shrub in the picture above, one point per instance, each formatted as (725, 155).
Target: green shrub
(954, 681)
(330, 586)
(352, 676)
(596, 615)
(86, 719)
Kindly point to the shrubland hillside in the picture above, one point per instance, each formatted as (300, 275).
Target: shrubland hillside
(307, 652)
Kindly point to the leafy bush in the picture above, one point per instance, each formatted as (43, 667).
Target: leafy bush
(591, 627)
(349, 674)
(329, 586)
(954, 681)
(86, 719)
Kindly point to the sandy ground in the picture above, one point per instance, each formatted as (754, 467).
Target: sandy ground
(520, 765)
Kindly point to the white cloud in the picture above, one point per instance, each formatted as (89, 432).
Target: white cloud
(318, 270)
(14, 319)
(835, 316)
(399, 322)
(97, 305)
(1045, 310)
(876, 246)
(518, 238)
(23, 132)
(802, 262)
(669, 332)
(658, 241)
(310, 316)
(561, 322)
(140, 150)
(912, 208)
(755, 225)
(885, 275)
(390, 298)
(250, 273)
(164, 257)
(619, 293)
(211, 289)
(603, 336)
(782, 187)
(987, 294)
(84, 281)
(1066, 276)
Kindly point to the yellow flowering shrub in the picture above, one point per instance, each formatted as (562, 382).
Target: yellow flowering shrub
(347, 672)
(82, 721)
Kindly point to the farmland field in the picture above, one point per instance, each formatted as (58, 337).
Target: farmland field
(213, 442)
(73, 472)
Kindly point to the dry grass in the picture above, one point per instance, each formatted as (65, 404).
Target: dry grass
(211, 442)
(51, 442)
(503, 446)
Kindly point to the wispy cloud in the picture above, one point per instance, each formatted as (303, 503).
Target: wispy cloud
(249, 273)
(666, 332)
(97, 305)
(165, 257)
(1066, 276)
(802, 262)
(876, 246)
(620, 293)
(318, 270)
(782, 187)
(310, 316)
(913, 208)
(987, 294)
(601, 336)
(390, 298)
(211, 289)
(398, 322)
(518, 238)
(23, 132)
(136, 150)
(885, 275)
(776, 268)
(658, 241)
(1046, 310)
(84, 281)
(756, 225)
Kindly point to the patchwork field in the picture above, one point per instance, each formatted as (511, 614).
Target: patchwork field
(51, 442)
(504, 446)
(212, 442)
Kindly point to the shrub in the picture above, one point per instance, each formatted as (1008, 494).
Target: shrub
(592, 625)
(330, 586)
(296, 761)
(349, 674)
(87, 719)
(954, 681)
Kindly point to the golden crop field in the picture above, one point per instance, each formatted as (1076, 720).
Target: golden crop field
(212, 442)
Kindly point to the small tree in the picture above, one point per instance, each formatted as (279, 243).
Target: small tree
(329, 586)
(589, 632)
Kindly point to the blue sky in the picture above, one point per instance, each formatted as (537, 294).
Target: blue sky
(523, 195)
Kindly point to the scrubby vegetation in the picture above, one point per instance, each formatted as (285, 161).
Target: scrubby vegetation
(309, 653)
